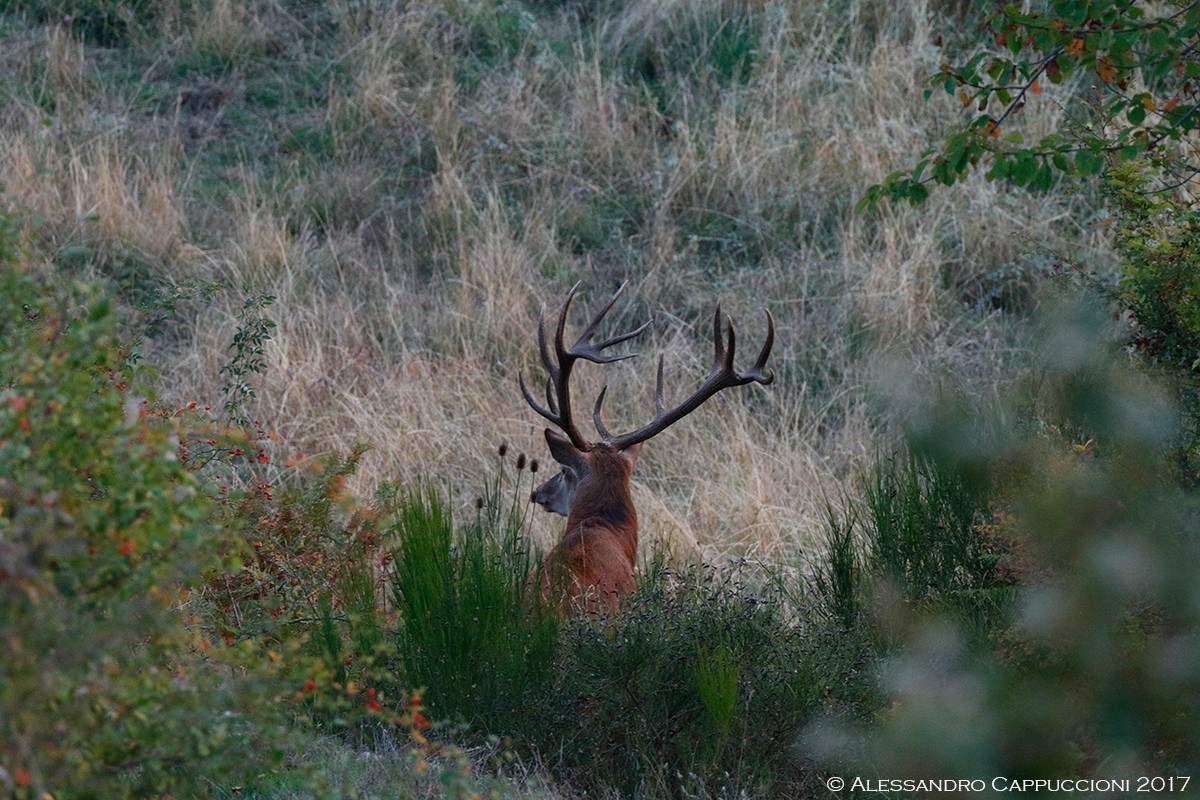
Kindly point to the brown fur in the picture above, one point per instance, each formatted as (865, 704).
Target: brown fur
(592, 567)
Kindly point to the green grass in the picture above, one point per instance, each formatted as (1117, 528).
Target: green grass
(699, 685)
(468, 631)
(703, 684)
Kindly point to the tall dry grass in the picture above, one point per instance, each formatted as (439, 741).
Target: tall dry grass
(450, 196)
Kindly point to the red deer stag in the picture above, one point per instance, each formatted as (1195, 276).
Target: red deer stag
(592, 567)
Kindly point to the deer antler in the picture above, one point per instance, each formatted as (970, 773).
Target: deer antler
(721, 376)
(558, 391)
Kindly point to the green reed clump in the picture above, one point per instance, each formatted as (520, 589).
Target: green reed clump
(468, 631)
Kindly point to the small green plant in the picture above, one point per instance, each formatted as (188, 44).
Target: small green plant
(717, 684)
(838, 578)
(468, 629)
(923, 531)
(249, 347)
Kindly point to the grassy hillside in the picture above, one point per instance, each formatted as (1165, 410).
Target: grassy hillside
(412, 182)
(270, 271)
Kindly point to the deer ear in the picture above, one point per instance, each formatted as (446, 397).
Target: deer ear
(563, 451)
(632, 452)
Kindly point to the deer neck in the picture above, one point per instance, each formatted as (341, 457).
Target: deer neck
(604, 501)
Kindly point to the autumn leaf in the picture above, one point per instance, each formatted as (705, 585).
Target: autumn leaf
(1075, 48)
(1170, 104)
(964, 99)
(1033, 87)
(1106, 69)
(1148, 103)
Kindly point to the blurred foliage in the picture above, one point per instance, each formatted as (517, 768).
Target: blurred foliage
(1159, 288)
(99, 523)
(155, 623)
(1098, 670)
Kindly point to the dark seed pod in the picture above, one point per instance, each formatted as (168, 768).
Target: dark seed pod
(503, 449)
(533, 465)
(520, 461)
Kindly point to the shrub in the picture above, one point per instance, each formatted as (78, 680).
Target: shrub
(146, 644)
(99, 524)
(1096, 674)
(1159, 287)
(700, 685)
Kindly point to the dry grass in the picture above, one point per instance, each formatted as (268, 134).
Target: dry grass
(455, 201)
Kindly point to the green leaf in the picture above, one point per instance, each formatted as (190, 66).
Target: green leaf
(1024, 169)
(1158, 39)
(1088, 163)
(1044, 179)
(1073, 14)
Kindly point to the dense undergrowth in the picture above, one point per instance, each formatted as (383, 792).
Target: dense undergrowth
(1023, 603)
(237, 235)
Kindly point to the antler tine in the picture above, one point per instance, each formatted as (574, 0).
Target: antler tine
(718, 340)
(767, 378)
(723, 375)
(658, 404)
(658, 393)
(550, 410)
(728, 365)
(561, 351)
(558, 390)
(584, 347)
(599, 423)
(542, 348)
(533, 403)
